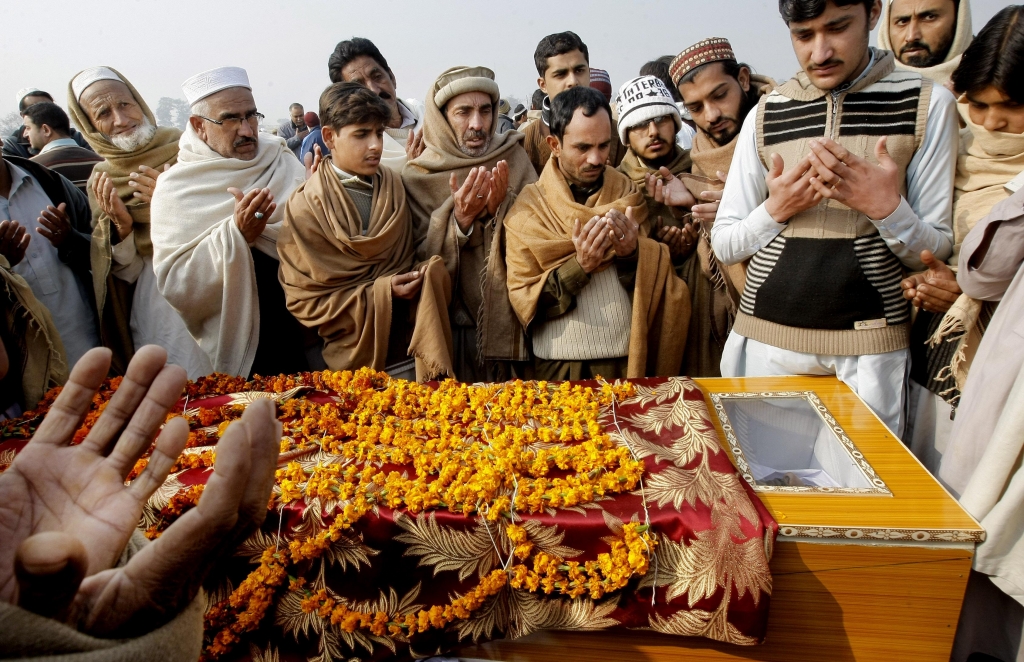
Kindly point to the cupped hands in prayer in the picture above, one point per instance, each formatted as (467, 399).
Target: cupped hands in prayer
(481, 194)
(252, 211)
(66, 513)
(934, 290)
(14, 241)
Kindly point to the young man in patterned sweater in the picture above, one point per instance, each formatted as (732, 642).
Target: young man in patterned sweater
(841, 177)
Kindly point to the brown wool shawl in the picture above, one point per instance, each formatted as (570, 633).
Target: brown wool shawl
(481, 278)
(338, 280)
(539, 229)
(115, 313)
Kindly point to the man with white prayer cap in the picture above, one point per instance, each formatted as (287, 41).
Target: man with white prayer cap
(215, 222)
(121, 128)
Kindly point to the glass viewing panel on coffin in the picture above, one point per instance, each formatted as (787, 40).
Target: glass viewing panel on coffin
(790, 442)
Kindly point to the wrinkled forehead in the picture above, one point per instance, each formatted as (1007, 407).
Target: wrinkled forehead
(234, 101)
(905, 8)
(105, 93)
(363, 68)
(470, 101)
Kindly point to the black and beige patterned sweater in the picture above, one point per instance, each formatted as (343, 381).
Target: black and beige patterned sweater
(828, 283)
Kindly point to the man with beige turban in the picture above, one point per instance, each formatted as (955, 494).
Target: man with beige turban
(460, 190)
(120, 127)
(927, 36)
(215, 226)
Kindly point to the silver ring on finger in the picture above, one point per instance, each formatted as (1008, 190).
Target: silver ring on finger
(480, 197)
(258, 215)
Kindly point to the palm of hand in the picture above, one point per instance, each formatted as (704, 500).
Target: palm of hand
(64, 488)
(676, 193)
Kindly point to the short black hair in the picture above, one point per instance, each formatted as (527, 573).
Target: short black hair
(537, 100)
(559, 43)
(797, 11)
(50, 114)
(33, 93)
(295, 105)
(995, 57)
(342, 104)
(564, 106)
(659, 69)
(346, 51)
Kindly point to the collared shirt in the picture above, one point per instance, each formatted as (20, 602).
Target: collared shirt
(59, 142)
(922, 221)
(409, 118)
(52, 281)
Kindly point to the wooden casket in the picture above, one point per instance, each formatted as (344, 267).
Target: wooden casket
(872, 556)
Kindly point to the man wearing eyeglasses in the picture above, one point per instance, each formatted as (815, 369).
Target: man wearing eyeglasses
(215, 221)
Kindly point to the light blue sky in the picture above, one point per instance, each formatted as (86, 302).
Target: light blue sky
(285, 44)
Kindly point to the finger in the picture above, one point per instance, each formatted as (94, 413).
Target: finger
(168, 449)
(777, 166)
(49, 568)
(928, 258)
(237, 192)
(721, 176)
(150, 173)
(824, 156)
(260, 419)
(666, 174)
(453, 183)
(575, 230)
(822, 190)
(837, 150)
(307, 160)
(882, 153)
(253, 205)
(71, 405)
(711, 196)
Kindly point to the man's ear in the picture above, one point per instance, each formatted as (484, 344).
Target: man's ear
(198, 126)
(744, 78)
(555, 145)
(540, 84)
(876, 11)
(327, 134)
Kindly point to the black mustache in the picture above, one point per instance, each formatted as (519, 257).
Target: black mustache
(473, 134)
(827, 63)
(384, 95)
(915, 44)
(244, 140)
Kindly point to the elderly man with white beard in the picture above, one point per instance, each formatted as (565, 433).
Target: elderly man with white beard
(120, 127)
(215, 223)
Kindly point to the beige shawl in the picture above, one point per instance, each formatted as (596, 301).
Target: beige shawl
(114, 296)
(480, 278)
(540, 227)
(338, 280)
(941, 72)
(987, 161)
(201, 260)
(40, 350)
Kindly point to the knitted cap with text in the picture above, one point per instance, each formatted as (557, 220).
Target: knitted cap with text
(640, 101)
(714, 49)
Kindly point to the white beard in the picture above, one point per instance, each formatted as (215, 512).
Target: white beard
(137, 139)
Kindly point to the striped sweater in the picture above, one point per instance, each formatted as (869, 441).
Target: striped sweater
(828, 283)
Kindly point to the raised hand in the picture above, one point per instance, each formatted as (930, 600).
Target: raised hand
(66, 514)
(934, 290)
(56, 226)
(470, 198)
(110, 203)
(680, 241)
(311, 160)
(789, 191)
(414, 144)
(708, 210)
(252, 211)
(406, 286)
(592, 242)
(622, 231)
(13, 241)
(668, 189)
(499, 187)
(840, 175)
(144, 182)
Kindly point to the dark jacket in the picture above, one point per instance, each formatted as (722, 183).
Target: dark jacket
(16, 145)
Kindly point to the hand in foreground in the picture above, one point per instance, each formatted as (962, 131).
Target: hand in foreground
(406, 286)
(789, 191)
(668, 189)
(622, 230)
(470, 198)
(680, 240)
(708, 210)
(252, 211)
(56, 226)
(414, 144)
(65, 512)
(499, 187)
(111, 205)
(13, 241)
(871, 189)
(592, 242)
(934, 290)
(144, 182)
(312, 161)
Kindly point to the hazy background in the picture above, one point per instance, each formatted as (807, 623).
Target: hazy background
(284, 45)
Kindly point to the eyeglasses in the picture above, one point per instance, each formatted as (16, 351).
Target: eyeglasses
(235, 123)
(659, 122)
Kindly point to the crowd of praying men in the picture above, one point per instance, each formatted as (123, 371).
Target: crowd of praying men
(863, 219)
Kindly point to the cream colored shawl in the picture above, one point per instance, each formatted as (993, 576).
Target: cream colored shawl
(201, 260)
(338, 280)
(941, 72)
(430, 197)
(987, 161)
(540, 227)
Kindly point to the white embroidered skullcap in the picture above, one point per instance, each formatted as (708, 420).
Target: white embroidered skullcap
(202, 85)
(90, 76)
(27, 92)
